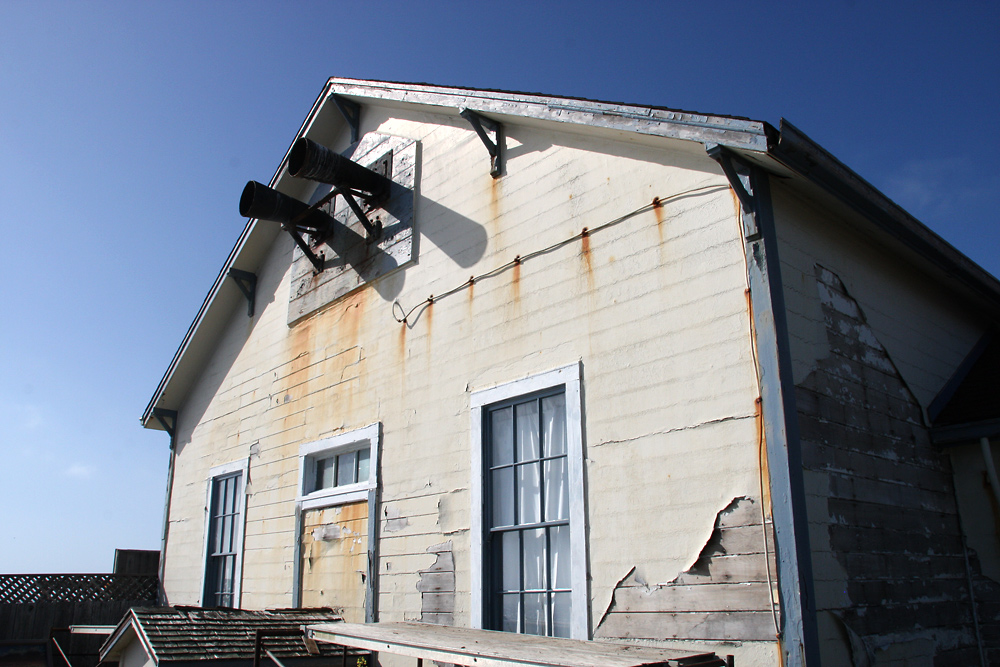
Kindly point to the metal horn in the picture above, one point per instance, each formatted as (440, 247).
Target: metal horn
(264, 203)
(311, 160)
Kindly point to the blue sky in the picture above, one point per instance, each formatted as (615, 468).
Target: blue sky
(127, 132)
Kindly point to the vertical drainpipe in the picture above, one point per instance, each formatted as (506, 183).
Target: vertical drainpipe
(799, 637)
(168, 420)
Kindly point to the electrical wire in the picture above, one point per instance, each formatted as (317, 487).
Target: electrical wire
(657, 202)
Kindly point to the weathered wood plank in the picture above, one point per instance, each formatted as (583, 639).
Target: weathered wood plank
(704, 597)
(351, 261)
(720, 626)
(436, 582)
(486, 648)
(723, 569)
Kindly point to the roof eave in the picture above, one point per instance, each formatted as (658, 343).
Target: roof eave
(733, 132)
(796, 151)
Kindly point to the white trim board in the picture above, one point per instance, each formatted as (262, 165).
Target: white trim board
(241, 466)
(569, 376)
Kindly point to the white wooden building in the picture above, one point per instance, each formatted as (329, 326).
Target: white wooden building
(588, 370)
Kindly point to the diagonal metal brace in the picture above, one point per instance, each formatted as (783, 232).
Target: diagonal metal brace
(374, 231)
(732, 166)
(497, 148)
(247, 282)
(351, 111)
(317, 262)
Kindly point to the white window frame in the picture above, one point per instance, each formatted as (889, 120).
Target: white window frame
(215, 472)
(569, 376)
(338, 444)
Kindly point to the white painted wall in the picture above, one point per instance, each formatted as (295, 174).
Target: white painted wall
(655, 310)
(134, 655)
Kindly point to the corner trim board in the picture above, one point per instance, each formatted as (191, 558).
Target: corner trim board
(799, 635)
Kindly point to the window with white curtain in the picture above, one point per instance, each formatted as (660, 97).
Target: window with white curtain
(531, 556)
(528, 548)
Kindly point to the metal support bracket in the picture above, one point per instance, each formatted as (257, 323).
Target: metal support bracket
(318, 261)
(739, 178)
(168, 420)
(351, 111)
(247, 282)
(497, 147)
(374, 230)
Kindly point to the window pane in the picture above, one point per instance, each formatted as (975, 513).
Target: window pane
(234, 494)
(529, 497)
(556, 490)
(364, 472)
(216, 534)
(561, 606)
(226, 542)
(554, 423)
(324, 473)
(511, 560)
(535, 561)
(503, 497)
(527, 431)
(347, 468)
(502, 431)
(511, 612)
(536, 614)
(559, 556)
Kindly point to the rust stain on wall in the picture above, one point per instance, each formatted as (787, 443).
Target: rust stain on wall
(658, 212)
(349, 319)
(736, 206)
(302, 338)
(515, 284)
(470, 295)
(335, 559)
(495, 228)
(587, 259)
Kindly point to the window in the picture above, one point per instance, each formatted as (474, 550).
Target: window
(224, 536)
(340, 469)
(530, 553)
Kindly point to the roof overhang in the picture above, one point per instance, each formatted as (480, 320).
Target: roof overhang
(127, 631)
(787, 152)
(571, 113)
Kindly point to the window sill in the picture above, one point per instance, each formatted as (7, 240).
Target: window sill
(340, 495)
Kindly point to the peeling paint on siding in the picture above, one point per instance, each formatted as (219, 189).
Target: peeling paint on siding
(437, 587)
(394, 521)
(724, 595)
(883, 514)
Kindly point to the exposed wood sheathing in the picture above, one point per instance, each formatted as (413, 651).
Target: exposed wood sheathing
(889, 560)
(724, 595)
(437, 587)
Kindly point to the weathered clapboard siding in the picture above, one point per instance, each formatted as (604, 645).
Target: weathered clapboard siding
(874, 341)
(335, 559)
(726, 593)
(653, 306)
